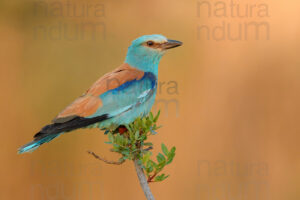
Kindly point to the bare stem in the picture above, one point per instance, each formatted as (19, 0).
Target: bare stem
(106, 161)
(143, 180)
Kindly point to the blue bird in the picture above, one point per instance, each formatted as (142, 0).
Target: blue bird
(117, 98)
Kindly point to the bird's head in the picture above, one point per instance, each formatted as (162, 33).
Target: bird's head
(145, 52)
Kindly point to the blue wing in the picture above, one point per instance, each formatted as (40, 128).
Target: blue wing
(128, 101)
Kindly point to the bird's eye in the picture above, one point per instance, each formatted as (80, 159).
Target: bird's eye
(150, 43)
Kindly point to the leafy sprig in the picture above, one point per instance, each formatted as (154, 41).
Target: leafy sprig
(132, 144)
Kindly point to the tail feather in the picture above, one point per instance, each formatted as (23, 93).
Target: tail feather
(31, 146)
(51, 131)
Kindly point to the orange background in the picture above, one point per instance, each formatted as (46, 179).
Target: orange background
(237, 128)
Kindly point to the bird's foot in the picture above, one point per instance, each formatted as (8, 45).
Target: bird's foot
(122, 129)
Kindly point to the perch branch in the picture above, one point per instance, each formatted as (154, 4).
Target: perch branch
(106, 161)
(143, 180)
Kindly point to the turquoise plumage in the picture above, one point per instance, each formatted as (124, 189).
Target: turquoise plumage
(117, 98)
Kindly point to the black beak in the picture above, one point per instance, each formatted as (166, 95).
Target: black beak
(171, 44)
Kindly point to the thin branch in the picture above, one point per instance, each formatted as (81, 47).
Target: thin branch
(106, 161)
(150, 178)
(148, 149)
(143, 180)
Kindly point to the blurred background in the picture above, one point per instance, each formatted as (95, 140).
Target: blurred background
(230, 97)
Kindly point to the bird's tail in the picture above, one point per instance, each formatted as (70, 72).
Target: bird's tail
(51, 131)
(38, 141)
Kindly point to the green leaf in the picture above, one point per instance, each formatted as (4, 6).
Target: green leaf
(150, 169)
(160, 177)
(156, 117)
(110, 137)
(116, 147)
(128, 127)
(125, 152)
(160, 166)
(148, 144)
(117, 139)
(143, 137)
(137, 135)
(169, 161)
(173, 149)
(153, 163)
(126, 141)
(146, 157)
(160, 158)
(151, 116)
(158, 127)
(164, 149)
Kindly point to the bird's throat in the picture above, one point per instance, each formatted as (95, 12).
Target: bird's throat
(147, 63)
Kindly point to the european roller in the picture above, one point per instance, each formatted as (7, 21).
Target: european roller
(117, 98)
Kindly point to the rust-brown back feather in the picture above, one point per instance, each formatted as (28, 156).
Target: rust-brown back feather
(89, 102)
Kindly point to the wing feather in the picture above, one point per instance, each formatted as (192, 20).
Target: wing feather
(87, 104)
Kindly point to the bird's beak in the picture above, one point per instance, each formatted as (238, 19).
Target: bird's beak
(171, 44)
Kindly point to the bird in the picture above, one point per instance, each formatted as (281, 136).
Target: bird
(115, 99)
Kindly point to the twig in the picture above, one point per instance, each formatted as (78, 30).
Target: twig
(143, 180)
(151, 178)
(148, 149)
(106, 161)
